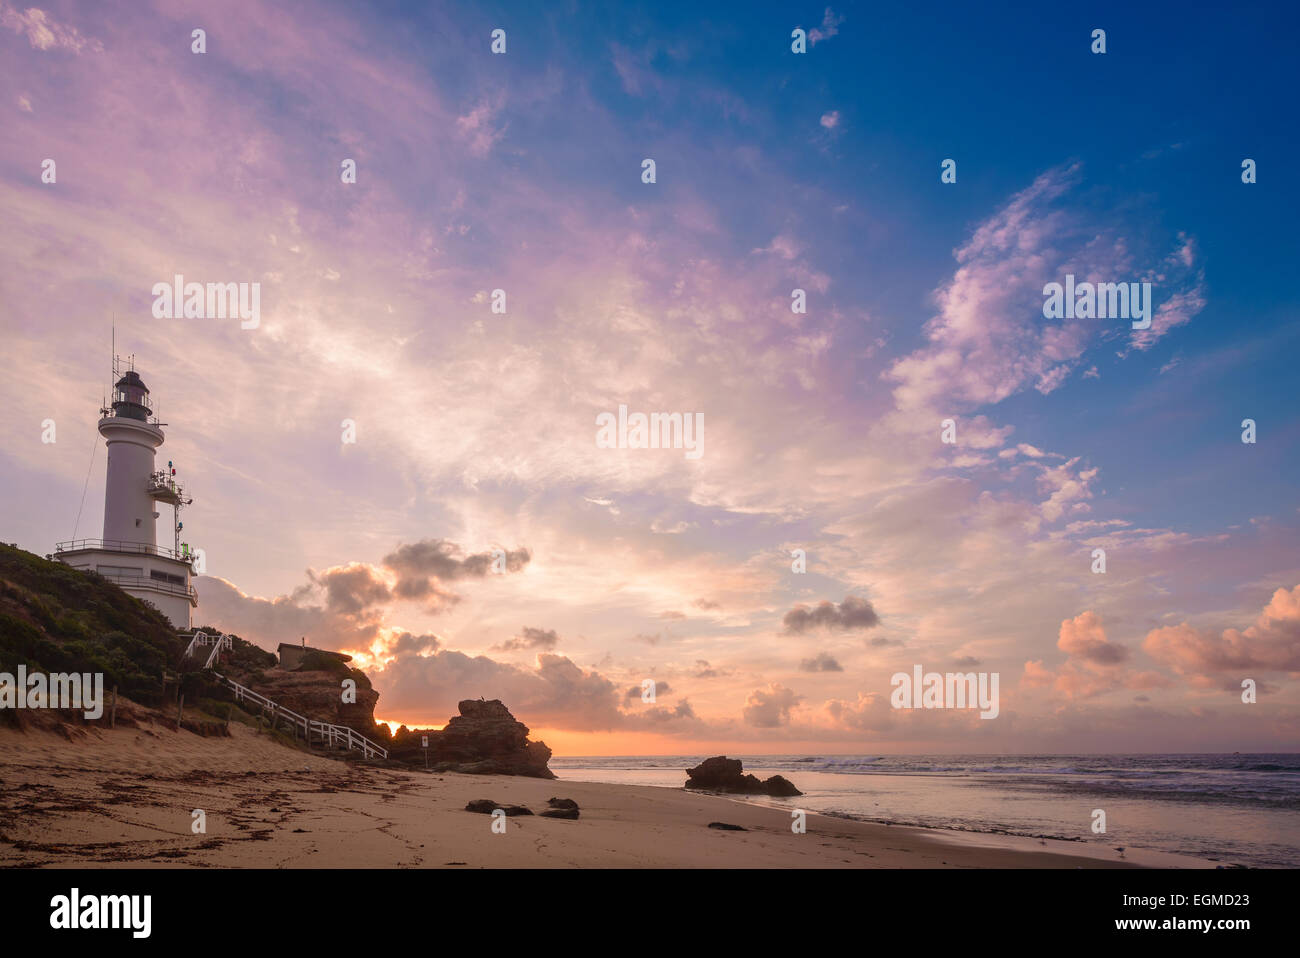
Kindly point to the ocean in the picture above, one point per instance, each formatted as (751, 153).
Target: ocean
(1234, 809)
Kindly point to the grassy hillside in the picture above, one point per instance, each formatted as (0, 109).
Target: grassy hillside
(54, 618)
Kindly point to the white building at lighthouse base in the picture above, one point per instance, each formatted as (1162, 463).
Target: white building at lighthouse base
(156, 575)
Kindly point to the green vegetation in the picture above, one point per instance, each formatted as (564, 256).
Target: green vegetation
(54, 618)
(320, 662)
(245, 657)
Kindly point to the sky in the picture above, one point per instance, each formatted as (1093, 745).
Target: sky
(474, 430)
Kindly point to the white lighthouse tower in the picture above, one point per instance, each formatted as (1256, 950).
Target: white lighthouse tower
(129, 554)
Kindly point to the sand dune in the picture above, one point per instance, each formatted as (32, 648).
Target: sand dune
(125, 797)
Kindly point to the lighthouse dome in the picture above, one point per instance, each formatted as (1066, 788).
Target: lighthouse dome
(131, 397)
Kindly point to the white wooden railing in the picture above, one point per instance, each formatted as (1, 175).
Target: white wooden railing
(218, 642)
(333, 735)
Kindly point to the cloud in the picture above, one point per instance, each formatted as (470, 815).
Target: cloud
(530, 638)
(422, 567)
(1084, 638)
(352, 589)
(829, 28)
(822, 662)
(634, 693)
(1270, 644)
(657, 716)
(405, 642)
(616, 303)
(770, 707)
(634, 70)
(44, 33)
(990, 339)
(831, 120)
(1068, 488)
(852, 613)
(556, 693)
(869, 713)
(284, 618)
(703, 670)
(1093, 663)
(1178, 310)
(476, 128)
(782, 245)
(348, 605)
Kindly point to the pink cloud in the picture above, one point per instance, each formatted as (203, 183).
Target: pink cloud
(1270, 644)
(829, 28)
(477, 127)
(770, 707)
(1094, 665)
(44, 33)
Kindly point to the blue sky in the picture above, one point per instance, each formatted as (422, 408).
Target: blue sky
(774, 171)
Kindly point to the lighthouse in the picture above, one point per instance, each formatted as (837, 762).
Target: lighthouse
(134, 490)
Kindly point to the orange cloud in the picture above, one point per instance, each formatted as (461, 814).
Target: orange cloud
(1271, 644)
(1093, 663)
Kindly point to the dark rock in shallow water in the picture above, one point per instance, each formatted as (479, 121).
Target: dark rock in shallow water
(780, 787)
(562, 803)
(486, 806)
(728, 828)
(722, 774)
(718, 772)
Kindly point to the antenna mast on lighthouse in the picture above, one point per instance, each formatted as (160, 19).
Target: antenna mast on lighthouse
(165, 487)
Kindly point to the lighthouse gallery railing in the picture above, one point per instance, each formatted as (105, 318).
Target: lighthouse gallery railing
(116, 545)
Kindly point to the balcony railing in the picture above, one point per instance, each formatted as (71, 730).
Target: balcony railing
(156, 585)
(114, 545)
(164, 487)
(108, 412)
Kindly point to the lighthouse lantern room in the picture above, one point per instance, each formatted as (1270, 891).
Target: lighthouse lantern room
(129, 554)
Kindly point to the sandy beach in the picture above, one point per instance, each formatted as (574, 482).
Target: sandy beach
(125, 797)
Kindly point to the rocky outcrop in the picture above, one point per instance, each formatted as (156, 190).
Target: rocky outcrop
(318, 695)
(484, 739)
(722, 774)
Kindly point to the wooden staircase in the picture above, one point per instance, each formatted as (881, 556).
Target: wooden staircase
(325, 734)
